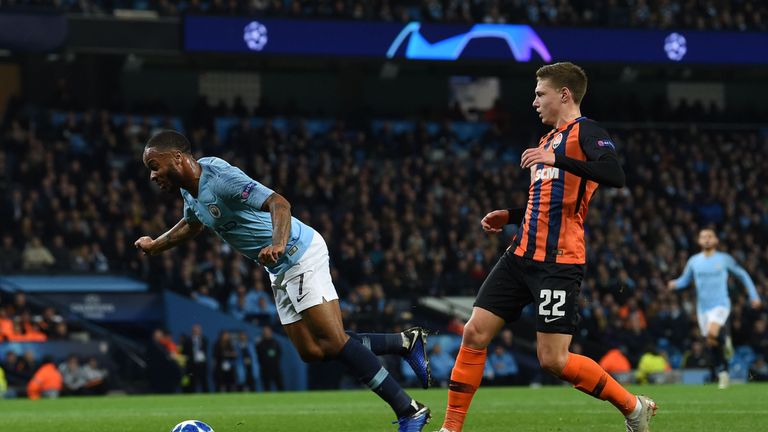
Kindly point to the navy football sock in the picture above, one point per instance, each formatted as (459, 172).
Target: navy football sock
(366, 367)
(380, 343)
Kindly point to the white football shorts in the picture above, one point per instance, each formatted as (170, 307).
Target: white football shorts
(718, 315)
(308, 283)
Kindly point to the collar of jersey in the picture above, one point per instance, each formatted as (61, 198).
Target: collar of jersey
(565, 126)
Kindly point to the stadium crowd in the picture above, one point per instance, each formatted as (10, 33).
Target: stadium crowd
(400, 212)
(743, 15)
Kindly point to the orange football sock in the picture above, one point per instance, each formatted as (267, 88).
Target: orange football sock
(465, 379)
(589, 377)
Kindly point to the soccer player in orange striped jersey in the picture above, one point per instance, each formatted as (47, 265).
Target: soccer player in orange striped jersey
(545, 263)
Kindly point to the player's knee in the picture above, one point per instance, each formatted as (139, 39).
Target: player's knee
(310, 354)
(475, 336)
(552, 361)
(331, 346)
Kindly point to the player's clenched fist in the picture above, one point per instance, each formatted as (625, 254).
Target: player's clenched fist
(145, 244)
(494, 221)
(534, 156)
(270, 254)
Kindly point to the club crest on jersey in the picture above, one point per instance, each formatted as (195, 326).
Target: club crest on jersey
(556, 142)
(214, 210)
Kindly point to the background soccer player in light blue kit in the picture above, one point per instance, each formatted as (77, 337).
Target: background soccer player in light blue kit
(257, 222)
(709, 270)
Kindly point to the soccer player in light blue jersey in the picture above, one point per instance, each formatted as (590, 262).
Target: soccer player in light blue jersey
(257, 222)
(709, 270)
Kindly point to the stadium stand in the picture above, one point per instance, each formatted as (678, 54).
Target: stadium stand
(699, 15)
(415, 172)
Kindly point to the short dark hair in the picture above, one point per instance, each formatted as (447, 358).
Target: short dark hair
(566, 74)
(168, 140)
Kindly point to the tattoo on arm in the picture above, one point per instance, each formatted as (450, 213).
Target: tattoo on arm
(280, 210)
(180, 233)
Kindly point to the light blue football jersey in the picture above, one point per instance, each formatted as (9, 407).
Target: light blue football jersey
(711, 276)
(229, 203)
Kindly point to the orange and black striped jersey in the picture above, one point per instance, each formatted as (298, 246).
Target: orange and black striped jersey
(552, 229)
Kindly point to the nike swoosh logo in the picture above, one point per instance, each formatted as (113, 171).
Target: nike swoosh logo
(299, 298)
(549, 320)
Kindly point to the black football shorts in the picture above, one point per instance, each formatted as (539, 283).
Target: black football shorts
(516, 282)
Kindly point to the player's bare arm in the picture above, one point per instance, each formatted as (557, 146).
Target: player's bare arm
(180, 233)
(280, 209)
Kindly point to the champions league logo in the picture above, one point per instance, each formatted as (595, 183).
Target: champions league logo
(247, 191)
(255, 36)
(675, 46)
(522, 40)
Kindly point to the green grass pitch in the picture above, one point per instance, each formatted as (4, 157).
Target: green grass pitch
(681, 409)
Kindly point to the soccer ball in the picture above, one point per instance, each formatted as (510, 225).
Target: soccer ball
(192, 426)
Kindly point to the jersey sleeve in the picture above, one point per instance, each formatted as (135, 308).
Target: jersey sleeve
(742, 275)
(234, 185)
(602, 164)
(685, 279)
(596, 142)
(190, 216)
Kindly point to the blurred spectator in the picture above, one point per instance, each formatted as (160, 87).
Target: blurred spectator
(247, 363)
(22, 367)
(505, 368)
(60, 332)
(10, 258)
(72, 376)
(195, 350)
(46, 382)
(36, 256)
(758, 371)
(3, 383)
(62, 258)
(269, 354)
(202, 296)
(651, 365)
(95, 377)
(441, 363)
(224, 363)
(615, 362)
(163, 370)
(6, 326)
(759, 340)
(266, 311)
(696, 357)
(48, 320)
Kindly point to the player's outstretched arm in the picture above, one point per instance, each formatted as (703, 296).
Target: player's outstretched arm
(177, 235)
(684, 280)
(743, 276)
(280, 210)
